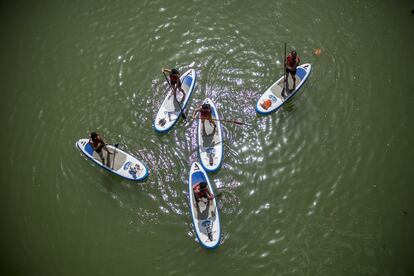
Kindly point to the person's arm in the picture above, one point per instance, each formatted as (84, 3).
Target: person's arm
(195, 111)
(287, 64)
(295, 63)
(105, 147)
(101, 142)
(209, 194)
(212, 121)
(165, 70)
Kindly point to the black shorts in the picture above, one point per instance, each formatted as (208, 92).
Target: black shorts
(99, 149)
(178, 83)
(291, 72)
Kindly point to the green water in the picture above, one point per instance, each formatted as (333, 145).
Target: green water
(324, 186)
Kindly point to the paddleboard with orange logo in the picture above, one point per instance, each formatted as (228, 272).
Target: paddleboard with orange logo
(273, 98)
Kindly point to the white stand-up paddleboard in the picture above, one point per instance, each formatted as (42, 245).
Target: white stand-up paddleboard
(272, 99)
(120, 162)
(206, 216)
(210, 146)
(170, 110)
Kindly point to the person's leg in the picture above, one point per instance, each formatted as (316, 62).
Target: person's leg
(100, 153)
(293, 74)
(285, 84)
(208, 202)
(182, 91)
(174, 88)
(184, 95)
(214, 125)
(294, 81)
(106, 149)
(179, 88)
(108, 160)
(196, 203)
(203, 121)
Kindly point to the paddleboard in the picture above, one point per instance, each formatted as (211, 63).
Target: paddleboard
(210, 146)
(170, 110)
(272, 99)
(205, 217)
(120, 162)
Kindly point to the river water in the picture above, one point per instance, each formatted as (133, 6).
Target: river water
(321, 187)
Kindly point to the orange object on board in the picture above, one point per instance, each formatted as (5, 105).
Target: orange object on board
(266, 104)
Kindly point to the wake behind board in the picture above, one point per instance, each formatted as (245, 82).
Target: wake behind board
(272, 99)
(120, 162)
(210, 146)
(170, 110)
(206, 216)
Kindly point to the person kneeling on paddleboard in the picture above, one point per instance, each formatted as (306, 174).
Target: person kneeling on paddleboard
(175, 81)
(205, 114)
(292, 61)
(98, 144)
(201, 191)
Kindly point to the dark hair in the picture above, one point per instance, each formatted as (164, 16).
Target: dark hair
(174, 71)
(94, 135)
(203, 184)
(293, 52)
(205, 106)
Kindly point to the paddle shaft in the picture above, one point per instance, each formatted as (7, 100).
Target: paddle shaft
(228, 121)
(113, 159)
(284, 72)
(175, 97)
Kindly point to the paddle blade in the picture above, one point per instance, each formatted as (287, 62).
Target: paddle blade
(240, 123)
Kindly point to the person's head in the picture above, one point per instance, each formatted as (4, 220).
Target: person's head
(94, 135)
(174, 71)
(203, 185)
(205, 106)
(293, 53)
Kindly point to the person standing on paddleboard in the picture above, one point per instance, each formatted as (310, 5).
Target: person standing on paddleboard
(292, 61)
(205, 114)
(98, 144)
(201, 191)
(175, 81)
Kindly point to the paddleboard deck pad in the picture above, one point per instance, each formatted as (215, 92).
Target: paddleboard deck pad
(118, 162)
(210, 146)
(205, 215)
(170, 110)
(272, 99)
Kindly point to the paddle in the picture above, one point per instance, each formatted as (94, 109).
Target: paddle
(284, 74)
(228, 121)
(219, 194)
(172, 89)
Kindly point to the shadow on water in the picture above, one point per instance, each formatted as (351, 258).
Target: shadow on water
(289, 106)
